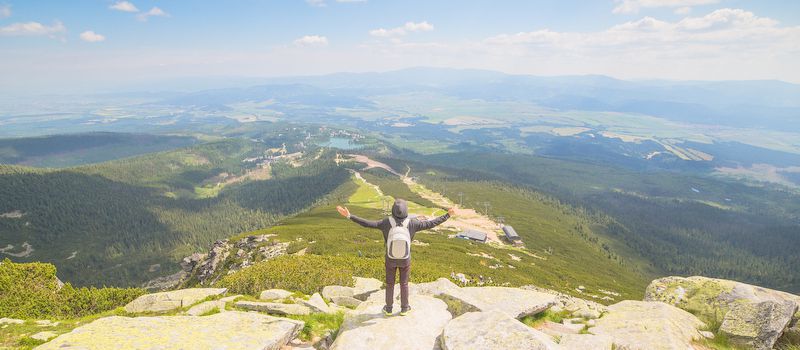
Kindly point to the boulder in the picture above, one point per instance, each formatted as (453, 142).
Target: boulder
(492, 330)
(5, 320)
(642, 325)
(435, 288)
(230, 330)
(44, 336)
(711, 297)
(586, 341)
(274, 308)
(206, 307)
(315, 303)
(514, 302)
(363, 287)
(329, 292)
(366, 328)
(272, 294)
(346, 301)
(165, 301)
(757, 325)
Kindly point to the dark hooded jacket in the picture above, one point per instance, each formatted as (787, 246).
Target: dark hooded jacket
(400, 212)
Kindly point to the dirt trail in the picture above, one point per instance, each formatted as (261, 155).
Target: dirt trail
(465, 218)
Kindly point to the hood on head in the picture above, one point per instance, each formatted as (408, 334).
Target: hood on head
(400, 209)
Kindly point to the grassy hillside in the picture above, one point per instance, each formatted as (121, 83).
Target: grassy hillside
(669, 223)
(127, 221)
(77, 149)
(336, 249)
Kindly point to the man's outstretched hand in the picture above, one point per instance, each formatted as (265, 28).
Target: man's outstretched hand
(452, 211)
(343, 210)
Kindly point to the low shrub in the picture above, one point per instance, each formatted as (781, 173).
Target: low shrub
(31, 290)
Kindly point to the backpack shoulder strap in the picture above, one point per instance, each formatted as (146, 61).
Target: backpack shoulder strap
(392, 222)
(405, 222)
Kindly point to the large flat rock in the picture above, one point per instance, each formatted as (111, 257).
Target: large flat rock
(366, 328)
(230, 330)
(165, 301)
(492, 330)
(643, 325)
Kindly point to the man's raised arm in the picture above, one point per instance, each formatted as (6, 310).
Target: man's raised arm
(428, 224)
(363, 222)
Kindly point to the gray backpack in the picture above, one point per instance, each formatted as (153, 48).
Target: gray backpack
(398, 244)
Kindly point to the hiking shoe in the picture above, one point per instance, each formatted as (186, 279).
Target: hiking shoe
(404, 311)
(387, 311)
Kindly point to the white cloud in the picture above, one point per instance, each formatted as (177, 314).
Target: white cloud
(633, 6)
(351, 0)
(33, 29)
(92, 37)
(317, 3)
(403, 30)
(5, 11)
(154, 12)
(312, 40)
(124, 6)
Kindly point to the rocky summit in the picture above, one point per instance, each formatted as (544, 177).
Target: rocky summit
(444, 316)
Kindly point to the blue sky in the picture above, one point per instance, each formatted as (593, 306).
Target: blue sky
(107, 42)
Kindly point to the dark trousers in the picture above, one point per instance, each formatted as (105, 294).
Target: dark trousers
(391, 274)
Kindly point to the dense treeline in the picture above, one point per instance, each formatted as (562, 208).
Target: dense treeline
(119, 223)
(76, 149)
(679, 224)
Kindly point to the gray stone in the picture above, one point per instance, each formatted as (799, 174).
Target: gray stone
(315, 303)
(642, 325)
(5, 320)
(514, 302)
(272, 294)
(492, 330)
(328, 292)
(274, 308)
(346, 301)
(366, 328)
(165, 301)
(230, 330)
(586, 342)
(206, 307)
(435, 288)
(757, 325)
(363, 287)
(44, 336)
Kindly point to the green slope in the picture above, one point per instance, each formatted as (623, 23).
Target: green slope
(127, 221)
(336, 248)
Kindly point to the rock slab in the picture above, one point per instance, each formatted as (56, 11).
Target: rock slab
(206, 307)
(492, 330)
(757, 326)
(644, 325)
(366, 328)
(514, 302)
(274, 308)
(165, 301)
(230, 330)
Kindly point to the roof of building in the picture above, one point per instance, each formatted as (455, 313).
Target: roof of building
(510, 232)
(473, 234)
